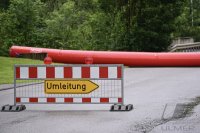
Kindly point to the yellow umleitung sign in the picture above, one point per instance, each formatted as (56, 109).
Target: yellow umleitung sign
(69, 86)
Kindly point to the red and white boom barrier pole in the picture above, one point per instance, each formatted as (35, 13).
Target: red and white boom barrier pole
(149, 59)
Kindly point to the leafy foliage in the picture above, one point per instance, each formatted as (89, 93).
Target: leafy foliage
(188, 22)
(125, 25)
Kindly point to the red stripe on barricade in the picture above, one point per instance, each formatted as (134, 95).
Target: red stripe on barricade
(33, 100)
(68, 100)
(119, 72)
(85, 72)
(103, 72)
(50, 72)
(32, 72)
(18, 100)
(51, 100)
(104, 100)
(119, 100)
(17, 72)
(86, 100)
(67, 72)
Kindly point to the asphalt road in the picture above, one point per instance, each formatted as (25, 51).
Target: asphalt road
(150, 90)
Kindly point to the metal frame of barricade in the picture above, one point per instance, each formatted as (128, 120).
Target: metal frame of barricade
(113, 74)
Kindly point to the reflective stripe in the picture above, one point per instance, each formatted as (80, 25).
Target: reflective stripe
(94, 72)
(59, 72)
(41, 72)
(76, 72)
(24, 72)
(112, 72)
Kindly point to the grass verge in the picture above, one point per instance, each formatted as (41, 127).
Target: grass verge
(7, 67)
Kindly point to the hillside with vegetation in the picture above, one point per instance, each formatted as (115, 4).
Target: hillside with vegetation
(125, 25)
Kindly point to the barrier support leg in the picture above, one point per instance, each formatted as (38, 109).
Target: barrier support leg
(121, 107)
(13, 108)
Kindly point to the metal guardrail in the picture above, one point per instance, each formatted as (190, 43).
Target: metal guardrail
(188, 47)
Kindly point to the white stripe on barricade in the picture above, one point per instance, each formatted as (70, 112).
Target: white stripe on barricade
(76, 72)
(59, 73)
(112, 72)
(24, 72)
(42, 100)
(41, 71)
(94, 72)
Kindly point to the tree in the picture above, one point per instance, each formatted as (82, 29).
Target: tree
(154, 24)
(21, 23)
(188, 23)
(4, 4)
(75, 26)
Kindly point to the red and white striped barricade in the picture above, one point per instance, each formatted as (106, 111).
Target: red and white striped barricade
(69, 84)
